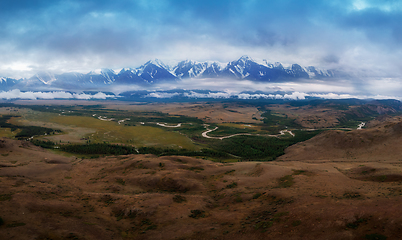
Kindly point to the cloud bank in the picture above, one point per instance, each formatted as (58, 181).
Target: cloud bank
(248, 96)
(17, 94)
(362, 36)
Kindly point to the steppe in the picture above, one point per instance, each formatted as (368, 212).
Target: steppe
(337, 185)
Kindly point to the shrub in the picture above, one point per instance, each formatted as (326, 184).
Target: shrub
(179, 199)
(257, 195)
(5, 197)
(296, 223)
(197, 214)
(286, 181)
(232, 185)
(375, 236)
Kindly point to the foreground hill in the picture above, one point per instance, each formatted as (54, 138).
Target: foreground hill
(377, 143)
(47, 196)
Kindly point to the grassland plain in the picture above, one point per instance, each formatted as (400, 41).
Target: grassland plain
(101, 123)
(89, 124)
(108, 131)
(337, 185)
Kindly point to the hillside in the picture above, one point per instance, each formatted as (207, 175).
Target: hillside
(372, 144)
(46, 196)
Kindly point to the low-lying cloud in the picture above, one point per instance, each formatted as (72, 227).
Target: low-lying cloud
(189, 94)
(247, 96)
(17, 94)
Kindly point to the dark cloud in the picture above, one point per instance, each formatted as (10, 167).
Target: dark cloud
(71, 34)
(379, 25)
(331, 59)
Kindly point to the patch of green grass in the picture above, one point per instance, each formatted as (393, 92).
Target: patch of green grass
(281, 214)
(196, 168)
(298, 172)
(296, 223)
(146, 221)
(179, 199)
(352, 195)
(263, 224)
(256, 195)
(107, 199)
(238, 199)
(381, 178)
(356, 224)
(109, 131)
(232, 185)
(120, 181)
(226, 130)
(230, 171)
(15, 224)
(152, 227)
(375, 236)
(89, 223)
(5, 197)
(286, 181)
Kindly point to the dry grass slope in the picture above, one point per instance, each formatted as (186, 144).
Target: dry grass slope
(46, 196)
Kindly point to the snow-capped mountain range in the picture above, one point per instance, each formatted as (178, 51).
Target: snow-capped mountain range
(156, 71)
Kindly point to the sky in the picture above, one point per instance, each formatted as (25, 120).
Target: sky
(363, 37)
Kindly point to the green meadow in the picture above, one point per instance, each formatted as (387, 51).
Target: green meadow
(139, 135)
(61, 128)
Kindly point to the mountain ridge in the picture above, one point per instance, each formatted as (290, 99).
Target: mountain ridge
(155, 71)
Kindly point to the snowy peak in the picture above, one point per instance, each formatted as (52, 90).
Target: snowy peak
(190, 69)
(157, 63)
(155, 71)
(44, 77)
(244, 59)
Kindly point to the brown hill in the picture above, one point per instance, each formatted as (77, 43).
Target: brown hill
(47, 196)
(374, 144)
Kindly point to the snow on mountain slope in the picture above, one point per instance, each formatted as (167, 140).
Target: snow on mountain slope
(155, 71)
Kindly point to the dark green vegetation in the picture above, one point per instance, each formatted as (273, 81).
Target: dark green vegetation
(232, 185)
(97, 149)
(25, 131)
(5, 197)
(261, 148)
(244, 147)
(375, 236)
(256, 146)
(356, 224)
(355, 111)
(225, 131)
(240, 147)
(273, 124)
(16, 224)
(286, 181)
(197, 214)
(179, 198)
(353, 117)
